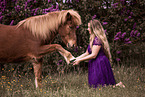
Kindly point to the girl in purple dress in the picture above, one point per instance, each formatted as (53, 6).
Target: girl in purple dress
(99, 57)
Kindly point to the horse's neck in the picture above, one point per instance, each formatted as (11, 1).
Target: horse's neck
(50, 38)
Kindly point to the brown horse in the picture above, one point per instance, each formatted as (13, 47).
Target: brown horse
(31, 39)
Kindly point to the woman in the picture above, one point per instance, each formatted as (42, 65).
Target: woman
(99, 57)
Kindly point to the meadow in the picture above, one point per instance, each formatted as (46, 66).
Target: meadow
(74, 84)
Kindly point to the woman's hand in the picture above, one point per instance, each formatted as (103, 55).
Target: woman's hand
(76, 62)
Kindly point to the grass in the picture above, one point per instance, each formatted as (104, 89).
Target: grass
(75, 85)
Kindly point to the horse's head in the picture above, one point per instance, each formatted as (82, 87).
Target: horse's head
(67, 30)
(68, 34)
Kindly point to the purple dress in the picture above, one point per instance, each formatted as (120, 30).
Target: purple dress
(99, 69)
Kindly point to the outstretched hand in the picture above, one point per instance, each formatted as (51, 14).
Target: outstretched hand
(72, 61)
(76, 62)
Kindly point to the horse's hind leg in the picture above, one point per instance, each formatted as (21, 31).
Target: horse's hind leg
(38, 73)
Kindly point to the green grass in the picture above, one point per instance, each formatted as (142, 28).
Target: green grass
(75, 85)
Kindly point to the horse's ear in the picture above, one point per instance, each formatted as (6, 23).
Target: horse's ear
(68, 16)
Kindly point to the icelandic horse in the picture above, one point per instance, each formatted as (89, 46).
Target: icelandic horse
(31, 39)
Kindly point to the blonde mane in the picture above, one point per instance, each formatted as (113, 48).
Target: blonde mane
(42, 25)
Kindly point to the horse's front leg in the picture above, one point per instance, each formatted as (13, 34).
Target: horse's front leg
(56, 47)
(37, 65)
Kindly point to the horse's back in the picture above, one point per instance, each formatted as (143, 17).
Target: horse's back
(15, 44)
(7, 34)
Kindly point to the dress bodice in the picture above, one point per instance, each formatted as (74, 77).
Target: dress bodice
(97, 42)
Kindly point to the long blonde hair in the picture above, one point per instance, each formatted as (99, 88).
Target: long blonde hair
(97, 30)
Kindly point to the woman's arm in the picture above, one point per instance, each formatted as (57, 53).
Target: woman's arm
(95, 51)
(83, 55)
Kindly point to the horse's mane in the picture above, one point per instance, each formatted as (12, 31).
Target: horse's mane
(42, 25)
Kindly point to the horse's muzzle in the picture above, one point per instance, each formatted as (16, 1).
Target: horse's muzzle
(71, 45)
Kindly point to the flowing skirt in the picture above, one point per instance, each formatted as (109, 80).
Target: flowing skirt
(100, 72)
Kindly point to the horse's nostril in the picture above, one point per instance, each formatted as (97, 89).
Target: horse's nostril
(68, 45)
(73, 45)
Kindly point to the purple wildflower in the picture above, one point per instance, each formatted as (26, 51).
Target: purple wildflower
(57, 7)
(94, 17)
(49, 1)
(9, 14)
(57, 63)
(118, 52)
(114, 5)
(29, 1)
(117, 59)
(131, 13)
(1, 18)
(135, 32)
(125, 20)
(122, 36)
(134, 26)
(35, 1)
(17, 8)
(3, 9)
(138, 34)
(128, 11)
(128, 42)
(12, 22)
(60, 61)
(36, 9)
(25, 5)
(77, 0)
(0, 13)
(132, 33)
(105, 23)
(31, 7)
(77, 27)
(26, 15)
(68, 1)
(116, 38)
(106, 31)
(124, 8)
(122, 2)
(129, 17)
(118, 34)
